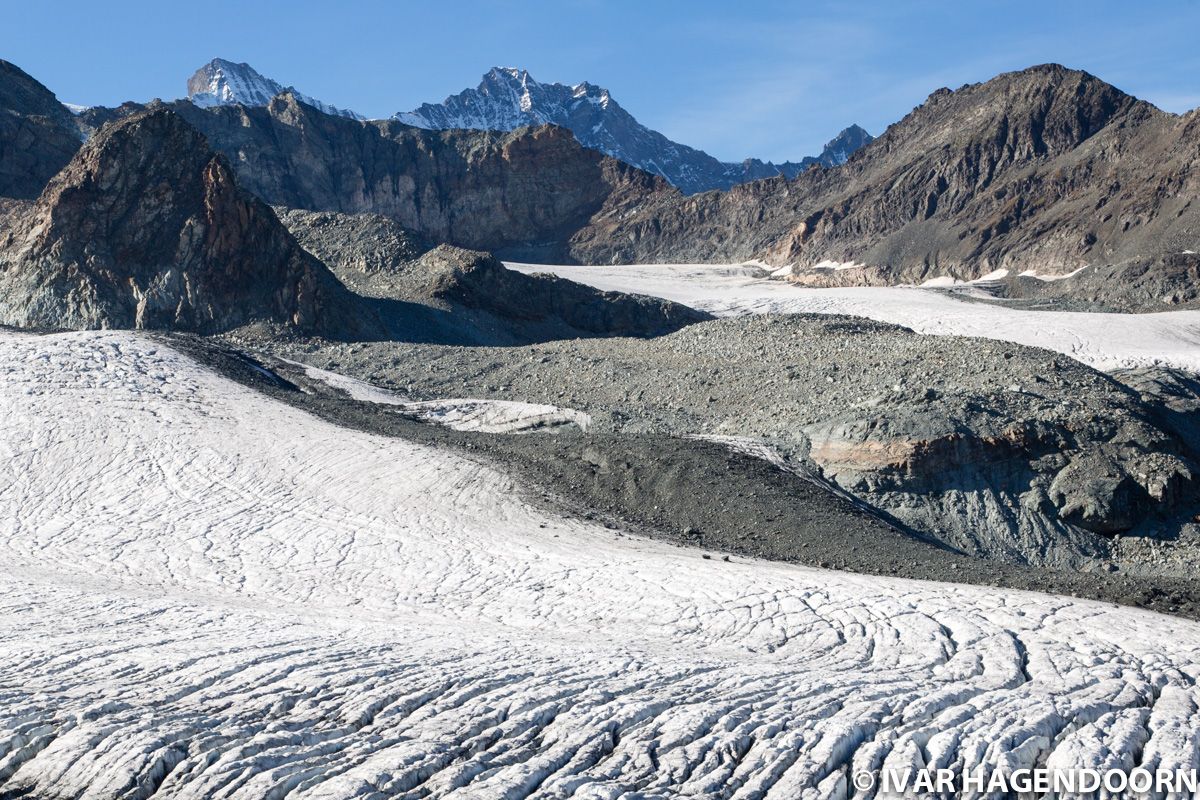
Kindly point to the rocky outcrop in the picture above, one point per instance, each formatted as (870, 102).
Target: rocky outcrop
(38, 135)
(146, 227)
(1048, 167)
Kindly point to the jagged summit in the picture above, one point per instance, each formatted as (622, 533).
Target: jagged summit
(225, 83)
(509, 98)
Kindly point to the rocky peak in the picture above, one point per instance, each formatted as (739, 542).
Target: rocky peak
(146, 227)
(838, 150)
(1037, 112)
(21, 94)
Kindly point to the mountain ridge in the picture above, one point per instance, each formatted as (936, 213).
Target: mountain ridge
(1047, 168)
(509, 98)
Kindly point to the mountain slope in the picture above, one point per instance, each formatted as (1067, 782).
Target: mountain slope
(508, 98)
(147, 228)
(38, 134)
(224, 83)
(1046, 168)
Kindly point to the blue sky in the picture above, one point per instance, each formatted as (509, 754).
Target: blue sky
(768, 79)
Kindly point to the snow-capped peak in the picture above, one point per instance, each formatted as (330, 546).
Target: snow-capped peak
(225, 83)
(509, 97)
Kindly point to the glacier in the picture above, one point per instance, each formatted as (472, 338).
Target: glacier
(210, 594)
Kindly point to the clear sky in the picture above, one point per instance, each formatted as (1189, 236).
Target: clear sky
(770, 79)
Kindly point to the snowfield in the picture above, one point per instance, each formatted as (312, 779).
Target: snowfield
(209, 594)
(1104, 341)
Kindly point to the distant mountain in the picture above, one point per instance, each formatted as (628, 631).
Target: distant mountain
(224, 83)
(1046, 169)
(509, 98)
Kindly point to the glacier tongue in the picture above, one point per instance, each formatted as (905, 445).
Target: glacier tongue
(210, 594)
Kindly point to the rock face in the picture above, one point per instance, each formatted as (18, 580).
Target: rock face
(1048, 167)
(508, 98)
(224, 83)
(146, 227)
(38, 135)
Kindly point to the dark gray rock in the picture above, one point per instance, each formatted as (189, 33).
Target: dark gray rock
(479, 281)
(928, 430)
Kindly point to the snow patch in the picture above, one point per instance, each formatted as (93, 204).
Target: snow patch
(1029, 273)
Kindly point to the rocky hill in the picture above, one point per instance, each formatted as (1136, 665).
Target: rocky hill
(38, 135)
(447, 294)
(509, 98)
(1046, 168)
(146, 227)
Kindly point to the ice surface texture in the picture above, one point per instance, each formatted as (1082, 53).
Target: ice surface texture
(209, 594)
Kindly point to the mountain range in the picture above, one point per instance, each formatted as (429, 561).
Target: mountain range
(1044, 170)
(509, 98)
(1047, 169)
